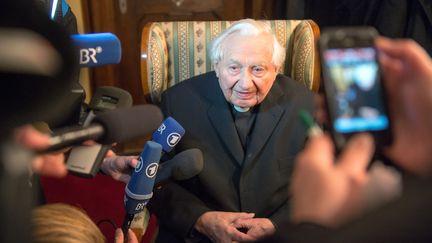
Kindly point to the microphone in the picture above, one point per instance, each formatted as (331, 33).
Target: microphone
(168, 134)
(109, 127)
(139, 189)
(165, 137)
(97, 49)
(105, 98)
(85, 160)
(183, 166)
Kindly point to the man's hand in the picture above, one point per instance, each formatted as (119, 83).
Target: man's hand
(119, 167)
(220, 228)
(257, 228)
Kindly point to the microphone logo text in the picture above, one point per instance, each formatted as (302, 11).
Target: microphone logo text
(161, 128)
(173, 139)
(151, 169)
(139, 165)
(89, 55)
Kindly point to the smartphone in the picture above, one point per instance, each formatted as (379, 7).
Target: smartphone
(354, 92)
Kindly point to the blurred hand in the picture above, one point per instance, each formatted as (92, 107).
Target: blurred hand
(407, 70)
(220, 228)
(119, 167)
(327, 191)
(52, 164)
(257, 228)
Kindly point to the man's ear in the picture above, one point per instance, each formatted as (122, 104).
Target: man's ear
(216, 69)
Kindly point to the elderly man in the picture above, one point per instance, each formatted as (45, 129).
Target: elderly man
(243, 116)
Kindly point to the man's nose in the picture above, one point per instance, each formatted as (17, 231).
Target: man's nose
(245, 79)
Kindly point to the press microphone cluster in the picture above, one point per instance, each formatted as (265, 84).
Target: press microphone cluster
(139, 189)
(110, 127)
(97, 49)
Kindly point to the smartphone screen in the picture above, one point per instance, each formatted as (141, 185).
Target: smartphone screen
(358, 104)
(354, 92)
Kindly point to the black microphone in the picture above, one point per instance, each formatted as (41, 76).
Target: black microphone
(85, 160)
(182, 166)
(110, 127)
(105, 98)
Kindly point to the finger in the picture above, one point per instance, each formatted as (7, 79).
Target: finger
(118, 237)
(132, 161)
(236, 235)
(243, 223)
(51, 165)
(357, 154)
(318, 151)
(235, 216)
(110, 153)
(132, 237)
(405, 49)
(31, 138)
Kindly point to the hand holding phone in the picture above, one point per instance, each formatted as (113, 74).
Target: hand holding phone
(355, 96)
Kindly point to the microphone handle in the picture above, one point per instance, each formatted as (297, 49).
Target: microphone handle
(74, 136)
(126, 225)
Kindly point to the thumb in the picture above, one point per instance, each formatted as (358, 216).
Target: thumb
(357, 154)
(118, 238)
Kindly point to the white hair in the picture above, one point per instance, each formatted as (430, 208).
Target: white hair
(247, 27)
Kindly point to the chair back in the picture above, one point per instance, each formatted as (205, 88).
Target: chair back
(174, 51)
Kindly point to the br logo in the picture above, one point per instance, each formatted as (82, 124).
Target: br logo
(151, 169)
(89, 55)
(173, 139)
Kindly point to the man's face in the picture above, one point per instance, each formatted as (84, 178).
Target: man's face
(246, 73)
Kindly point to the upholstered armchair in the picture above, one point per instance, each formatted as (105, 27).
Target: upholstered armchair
(174, 51)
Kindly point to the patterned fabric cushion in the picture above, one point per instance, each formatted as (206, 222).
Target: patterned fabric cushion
(178, 51)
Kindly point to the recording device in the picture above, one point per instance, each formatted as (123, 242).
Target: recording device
(97, 49)
(109, 127)
(355, 96)
(85, 160)
(182, 166)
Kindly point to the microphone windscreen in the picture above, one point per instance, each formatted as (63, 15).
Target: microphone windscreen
(97, 49)
(109, 98)
(190, 163)
(37, 65)
(127, 123)
(168, 134)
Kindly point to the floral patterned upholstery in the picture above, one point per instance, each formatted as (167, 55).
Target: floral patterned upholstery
(174, 51)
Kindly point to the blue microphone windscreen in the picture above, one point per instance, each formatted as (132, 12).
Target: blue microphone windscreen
(141, 183)
(97, 49)
(168, 134)
(139, 189)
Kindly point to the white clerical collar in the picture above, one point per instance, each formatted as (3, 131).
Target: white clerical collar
(240, 109)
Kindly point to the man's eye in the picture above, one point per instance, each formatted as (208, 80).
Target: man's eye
(233, 68)
(258, 70)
